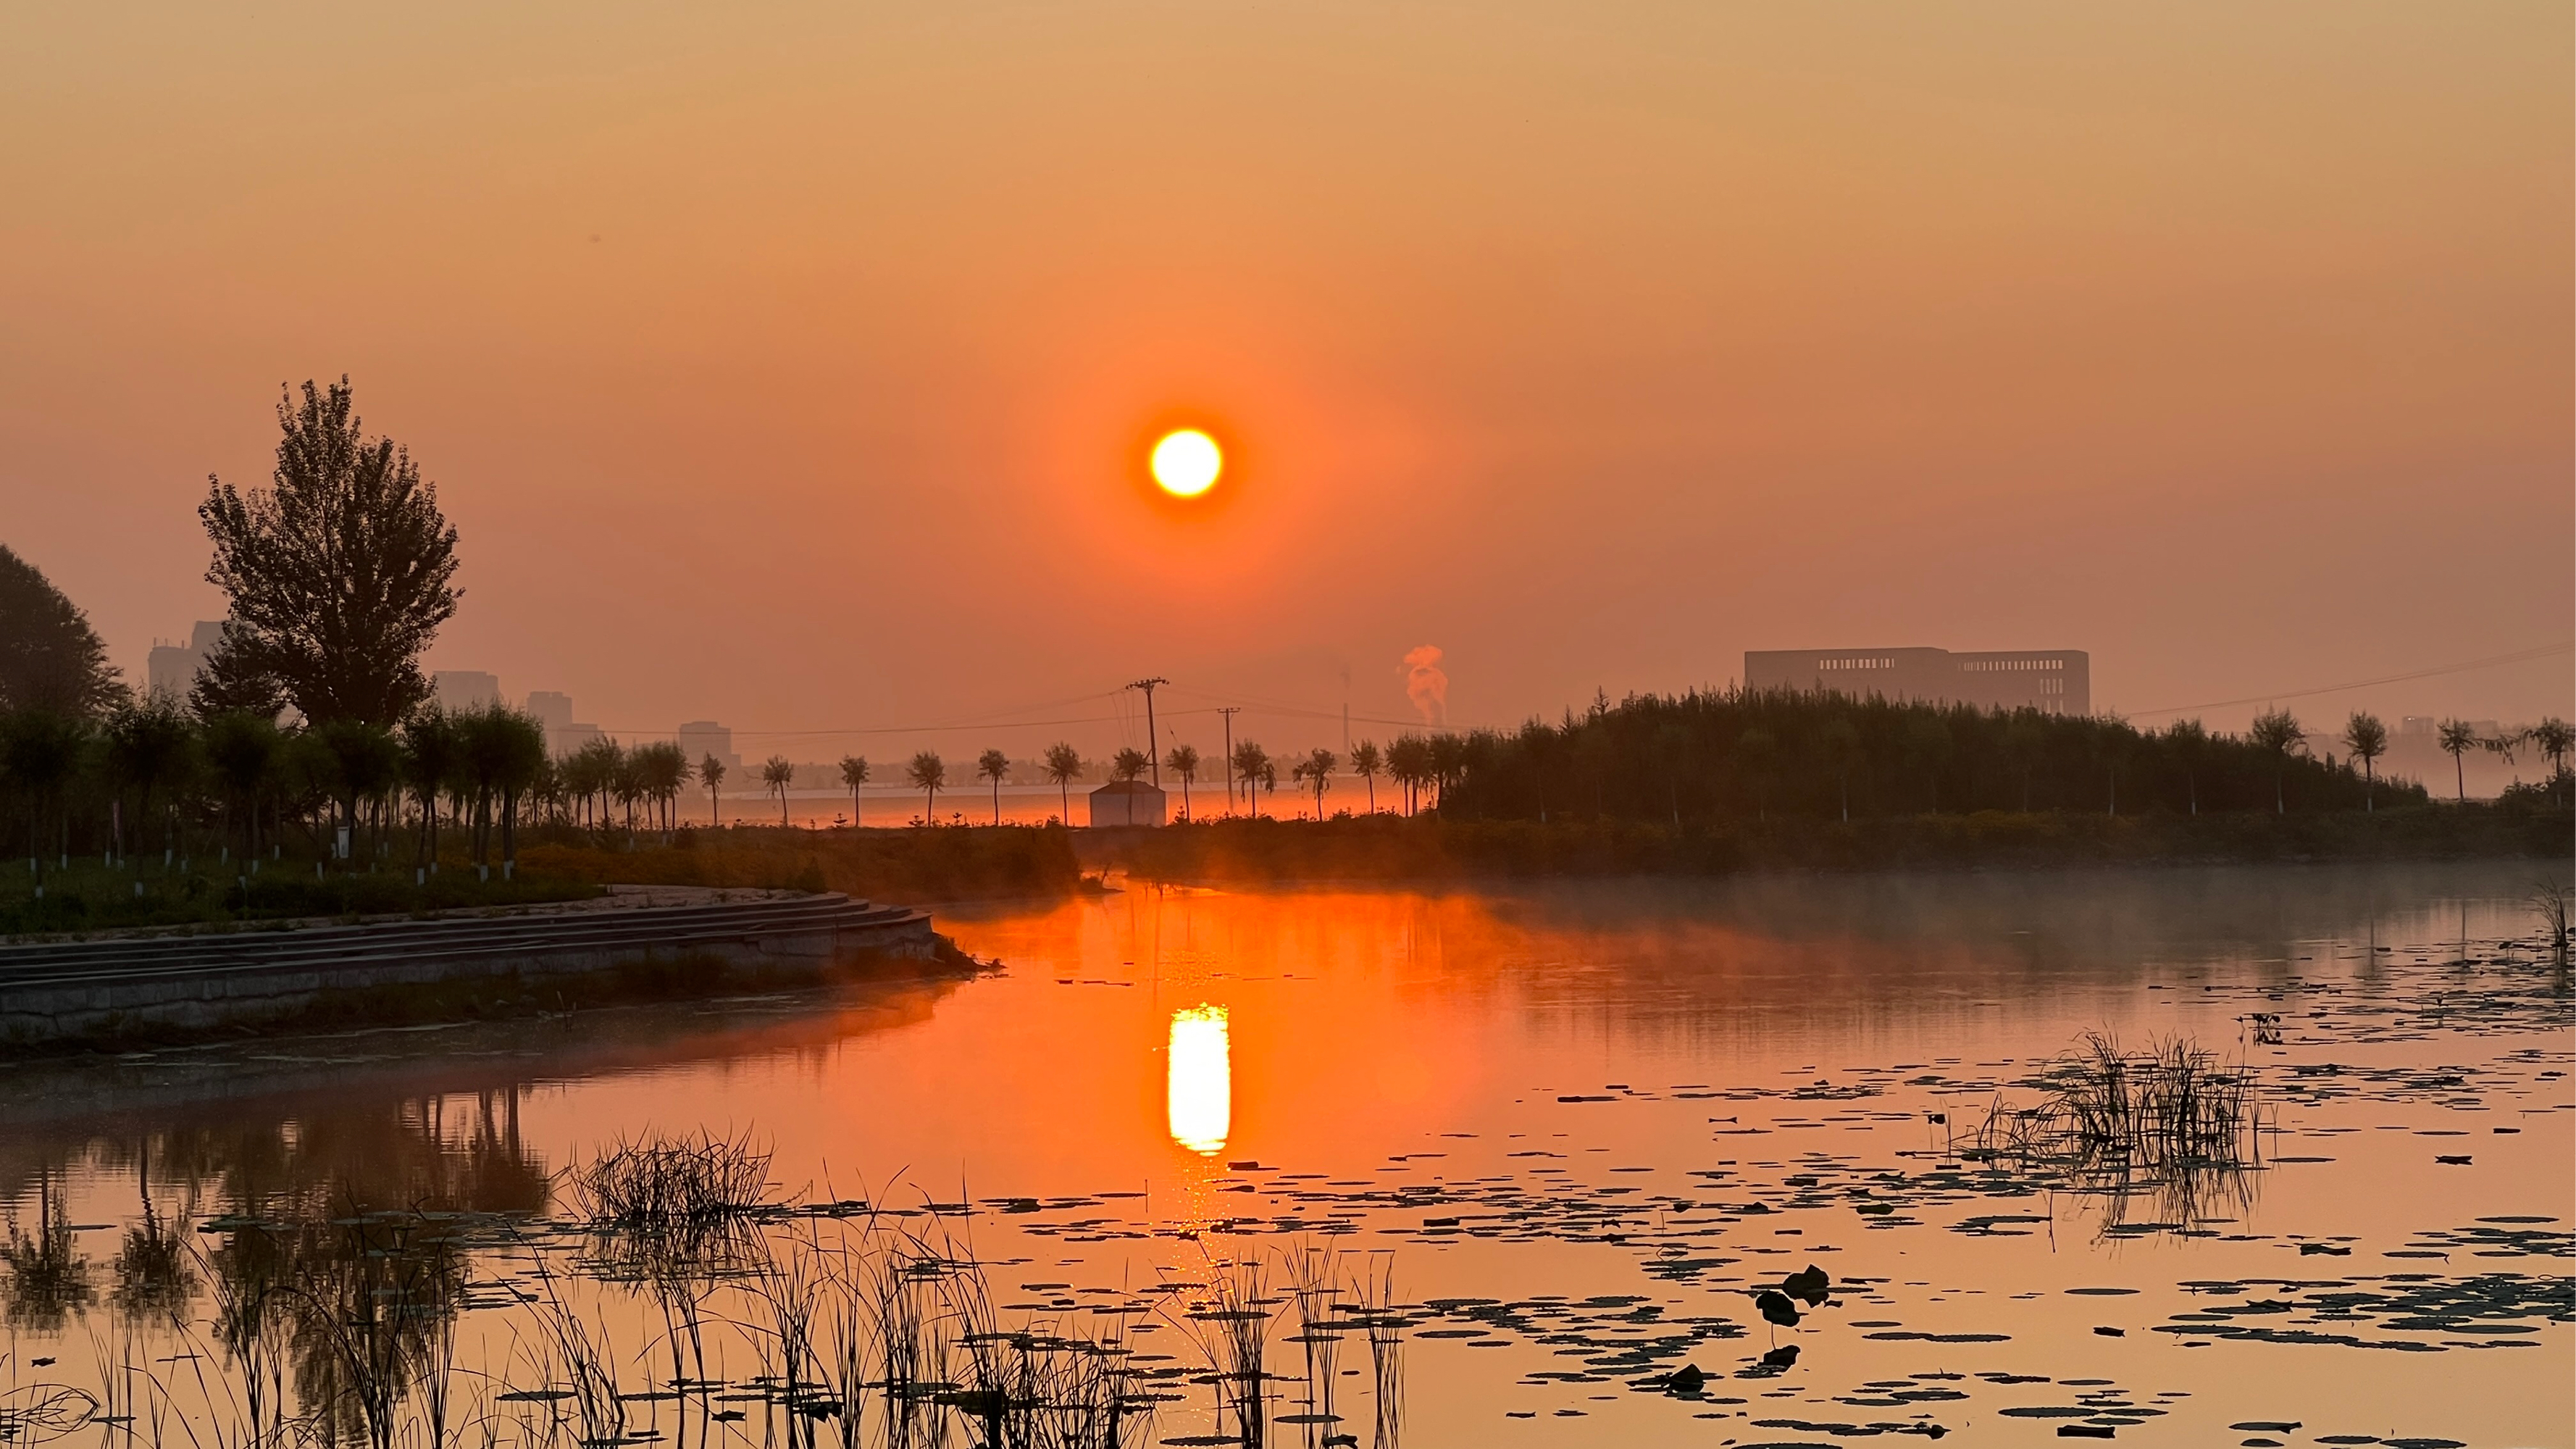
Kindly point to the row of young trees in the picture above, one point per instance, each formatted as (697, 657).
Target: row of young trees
(150, 775)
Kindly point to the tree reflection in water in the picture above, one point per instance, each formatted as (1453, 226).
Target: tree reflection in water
(48, 1278)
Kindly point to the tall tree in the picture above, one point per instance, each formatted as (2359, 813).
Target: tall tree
(2187, 741)
(242, 749)
(711, 771)
(1249, 761)
(2459, 737)
(40, 752)
(1063, 765)
(2367, 738)
(928, 772)
(151, 749)
(1316, 768)
(2554, 739)
(779, 773)
(339, 574)
(994, 765)
(1183, 760)
(2277, 733)
(429, 766)
(50, 657)
(1127, 764)
(1408, 763)
(1366, 762)
(854, 773)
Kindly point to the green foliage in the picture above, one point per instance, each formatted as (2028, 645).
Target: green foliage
(338, 575)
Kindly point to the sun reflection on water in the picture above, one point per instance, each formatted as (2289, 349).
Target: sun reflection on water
(1199, 1092)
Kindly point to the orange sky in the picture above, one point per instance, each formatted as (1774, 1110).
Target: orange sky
(786, 362)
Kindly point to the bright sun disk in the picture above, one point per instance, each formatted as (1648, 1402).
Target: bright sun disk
(1186, 463)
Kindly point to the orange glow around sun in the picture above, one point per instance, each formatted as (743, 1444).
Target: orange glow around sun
(1186, 463)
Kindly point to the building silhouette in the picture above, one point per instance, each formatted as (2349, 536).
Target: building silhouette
(1127, 802)
(2052, 681)
(460, 690)
(171, 670)
(703, 737)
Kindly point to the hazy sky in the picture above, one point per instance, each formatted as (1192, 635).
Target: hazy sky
(792, 362)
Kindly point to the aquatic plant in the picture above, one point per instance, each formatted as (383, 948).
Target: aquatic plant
(2171, 1121)
(2552, 900)
(672, 1185)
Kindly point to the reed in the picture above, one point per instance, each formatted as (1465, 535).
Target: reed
(2171, 1122)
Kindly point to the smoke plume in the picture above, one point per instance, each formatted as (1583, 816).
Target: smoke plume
(1426, 684)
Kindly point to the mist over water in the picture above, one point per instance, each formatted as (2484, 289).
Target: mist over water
(1582, 1125)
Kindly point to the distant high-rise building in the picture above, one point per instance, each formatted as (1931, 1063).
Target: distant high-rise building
(172, 669)
(552, 710)
(2053, 681)
(704, 737)
(458, 690)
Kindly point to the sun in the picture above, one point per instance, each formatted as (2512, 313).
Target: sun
(1186, 463)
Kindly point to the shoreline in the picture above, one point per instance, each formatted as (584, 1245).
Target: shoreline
(176, 986)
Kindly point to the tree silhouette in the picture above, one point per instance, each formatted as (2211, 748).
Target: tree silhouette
(1128, 764)
(1408, 763)
(778, 773)
(2458, 738)
(854, 773)
(2188, 743)
(50, 657)
(1758, 748)
(429, 765)
(1927, 752)
(1249, 761)
(2554, 739)
(151, 749)
(1366, 762)
(711, 773)
(242, 749)
(2367, 738)
(1268, 778)
(1839, 744)
(1183, 760)
(928, 772)
(1316, 768)
(2276, 733)
(339, 574)
(995, 766)
(1063, 765)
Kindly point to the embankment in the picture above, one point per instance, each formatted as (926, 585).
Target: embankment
(176, 986)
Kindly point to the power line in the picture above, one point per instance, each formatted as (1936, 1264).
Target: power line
(2490, 662)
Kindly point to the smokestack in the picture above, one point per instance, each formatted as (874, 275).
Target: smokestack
(1426, 684)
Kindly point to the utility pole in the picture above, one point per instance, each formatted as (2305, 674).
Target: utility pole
(1229, 711)
(1153, 742)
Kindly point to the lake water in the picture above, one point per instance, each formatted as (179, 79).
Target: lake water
(1531, 1152)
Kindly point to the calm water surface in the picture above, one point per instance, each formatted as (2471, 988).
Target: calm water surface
(1580, 1125)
